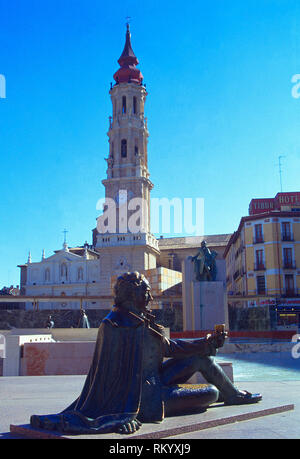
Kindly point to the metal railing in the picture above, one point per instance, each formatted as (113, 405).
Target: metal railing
(291, 292)
(259, 266)
(258, 239)
(287, 237)
(289, 264)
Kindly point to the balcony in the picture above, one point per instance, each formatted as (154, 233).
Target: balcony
(291, 292)
(259, 266)
(289, 264)
(258, 240)
(287, 237)
(137, 120)
(261, 291)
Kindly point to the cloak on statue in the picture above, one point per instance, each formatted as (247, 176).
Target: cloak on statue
(113, 389)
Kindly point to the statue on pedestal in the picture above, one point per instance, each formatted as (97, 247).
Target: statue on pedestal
(130, 383)
(83, 320)
(205, 264)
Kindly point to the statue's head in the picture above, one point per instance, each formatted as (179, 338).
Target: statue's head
(132, 289)
(203, 244)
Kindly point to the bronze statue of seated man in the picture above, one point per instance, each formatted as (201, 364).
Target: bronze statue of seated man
(131, 382)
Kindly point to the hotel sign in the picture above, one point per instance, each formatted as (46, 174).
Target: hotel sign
(258, 206)
(282, 303)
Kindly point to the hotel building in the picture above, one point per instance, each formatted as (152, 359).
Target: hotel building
(263, 259)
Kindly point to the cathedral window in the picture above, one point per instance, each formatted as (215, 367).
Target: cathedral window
(134, 106)
(47, 275)
(123, 148)
(124, 104)
(63, 270)
(136, 150)
(80, 274)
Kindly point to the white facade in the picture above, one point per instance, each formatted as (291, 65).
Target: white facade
(64, 274)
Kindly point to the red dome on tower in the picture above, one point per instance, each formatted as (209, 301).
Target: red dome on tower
(128, 73)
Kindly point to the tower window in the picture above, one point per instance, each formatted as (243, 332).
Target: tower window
(123, 148)
(124, 104)
(112, 150)
(134, 105)
(136, 150)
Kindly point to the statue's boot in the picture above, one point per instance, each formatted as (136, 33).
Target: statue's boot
(243, 398)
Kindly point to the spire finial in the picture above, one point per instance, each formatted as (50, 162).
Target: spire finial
(128, 62)
(65, 235)
(65, 245)
(29, 257)
(43, 254)
(128, 23)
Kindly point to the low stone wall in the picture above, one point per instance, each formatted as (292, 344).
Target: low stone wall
(168, 317)
(65, 358)
(72, 358)
(37, 319)
(56, 334)
(252, 319)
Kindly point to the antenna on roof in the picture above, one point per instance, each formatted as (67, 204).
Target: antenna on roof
(280, 171)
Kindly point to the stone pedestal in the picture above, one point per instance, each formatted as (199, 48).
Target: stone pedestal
(204, 303)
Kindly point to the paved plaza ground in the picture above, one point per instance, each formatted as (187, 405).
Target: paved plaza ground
(275, 375)
(25, 395)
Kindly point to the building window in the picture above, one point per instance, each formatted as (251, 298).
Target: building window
(286, 234)
(261, 285)
(134, 106)
(123, 148)
(80, 274)
(136, 150)
(258, 234)
(124, 104)
(259, 260)
(288, 257)
(47, 275)
(63, 270)
(289, 285)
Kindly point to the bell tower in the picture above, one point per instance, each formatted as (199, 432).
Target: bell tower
(124, 227)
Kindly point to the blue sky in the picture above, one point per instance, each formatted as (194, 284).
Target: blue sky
(220, 110)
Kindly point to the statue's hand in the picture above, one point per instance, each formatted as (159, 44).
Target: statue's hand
(129, 427)
(217, 339)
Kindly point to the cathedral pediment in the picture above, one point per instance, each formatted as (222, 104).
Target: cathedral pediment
(63, 256)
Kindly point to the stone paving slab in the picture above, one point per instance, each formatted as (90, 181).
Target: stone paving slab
(22, 396)
(213, 417)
